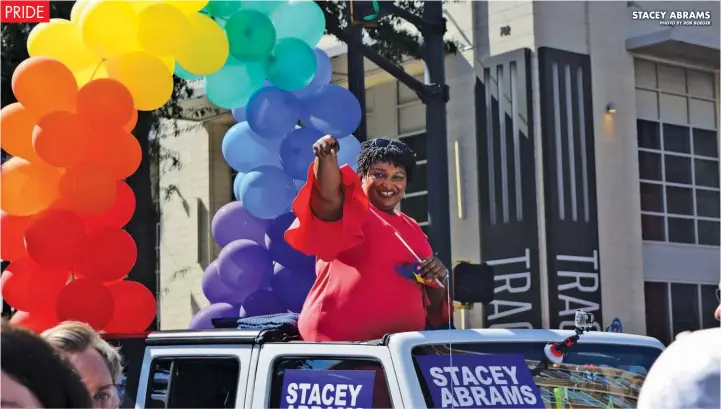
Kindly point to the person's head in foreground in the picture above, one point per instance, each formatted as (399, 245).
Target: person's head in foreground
(34, 375)
(717, 313)
(99, 364)
(385, 166)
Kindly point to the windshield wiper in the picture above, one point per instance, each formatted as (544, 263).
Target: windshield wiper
(554, 353)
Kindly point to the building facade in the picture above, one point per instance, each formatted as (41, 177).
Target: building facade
(583, 164)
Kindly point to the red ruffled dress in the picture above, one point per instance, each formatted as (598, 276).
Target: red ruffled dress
(358, 295)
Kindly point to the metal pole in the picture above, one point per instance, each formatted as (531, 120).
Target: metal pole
(436, 139)
(356, 81)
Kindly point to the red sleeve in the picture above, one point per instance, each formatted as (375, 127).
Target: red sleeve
(312, 236)
(439, 316)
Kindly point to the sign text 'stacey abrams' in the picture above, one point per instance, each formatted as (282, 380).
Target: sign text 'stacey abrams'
(480, 381)
(342, 389)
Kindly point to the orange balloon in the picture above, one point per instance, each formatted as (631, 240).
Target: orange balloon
(38, 321)
(27, 188)
(119, 213)
(29, 287)
(105, 101)
(44, 85)
(86, 301)
(61, 139)
(53, 237)
(130, 125)
(12, 236)
(108, 255)
(134, 308)
(117, 151)
(17, 125)
(87, 189)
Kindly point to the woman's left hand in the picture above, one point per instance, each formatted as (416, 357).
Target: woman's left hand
(433, 268)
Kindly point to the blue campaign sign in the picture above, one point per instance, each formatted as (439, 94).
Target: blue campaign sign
(480, 381)
(306, 389)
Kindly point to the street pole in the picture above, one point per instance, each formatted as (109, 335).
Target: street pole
(356, 81)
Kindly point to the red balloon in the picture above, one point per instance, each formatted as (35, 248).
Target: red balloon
(134, 310)
(119, 213)
(53, 237)
(87, 189)
(30, 287)
(37, 321)
(12, 231)
(108, 254)
(105, 101)
(86, 301)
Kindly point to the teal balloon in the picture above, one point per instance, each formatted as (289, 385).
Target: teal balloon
(180, 72)
(292, 65)
(266, 7)
(233, 85)
(251, 35)
(222, 8)
(299, 19)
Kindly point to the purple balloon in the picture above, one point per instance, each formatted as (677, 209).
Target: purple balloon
(215, 290)
(292, 285)
(232, 222)
(279, 249)
(262, 302)
(203, 319)
(245, 266)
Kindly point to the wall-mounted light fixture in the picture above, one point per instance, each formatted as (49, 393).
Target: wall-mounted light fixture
(611, 108)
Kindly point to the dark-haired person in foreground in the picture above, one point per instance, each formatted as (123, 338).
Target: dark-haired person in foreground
(34, 375)
(351, 224)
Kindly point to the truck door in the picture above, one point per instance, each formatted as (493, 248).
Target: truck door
(213, 376)
(325, 375)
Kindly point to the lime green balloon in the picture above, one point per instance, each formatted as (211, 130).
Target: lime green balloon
(264, 6)
(251, 35)
(235, 83)
(292, 64)
(222, 8)
(299, 19)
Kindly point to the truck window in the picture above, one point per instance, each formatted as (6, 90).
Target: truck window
(381, 395)
(591, 375)
(181, 382)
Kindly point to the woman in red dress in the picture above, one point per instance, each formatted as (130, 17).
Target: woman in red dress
(351, 225)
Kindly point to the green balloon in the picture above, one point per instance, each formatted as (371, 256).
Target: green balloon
(235, 83)
(223, 8)
(251, 35)
(181, 72)
(292, 65)
(299, 19)
(265, 7)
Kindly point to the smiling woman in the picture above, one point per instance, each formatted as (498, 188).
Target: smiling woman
(364, 246)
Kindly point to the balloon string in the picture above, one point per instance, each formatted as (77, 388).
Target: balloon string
(102, 60)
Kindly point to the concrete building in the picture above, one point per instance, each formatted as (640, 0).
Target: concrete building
(597, 187)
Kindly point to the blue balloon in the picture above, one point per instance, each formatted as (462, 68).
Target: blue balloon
(292, 284)
(181, 72)
(239, 114)
(323, 74)
(262, 302)
(267, 192)
(245, 151)
(296, 152)
(232, 86)
(236, 184)
(350, 147)
(280, 251)
(332, 110)
(272, 112)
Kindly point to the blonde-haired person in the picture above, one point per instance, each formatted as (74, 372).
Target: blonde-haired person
(99, 364)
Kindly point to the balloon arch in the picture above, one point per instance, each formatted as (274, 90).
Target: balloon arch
(64, 199)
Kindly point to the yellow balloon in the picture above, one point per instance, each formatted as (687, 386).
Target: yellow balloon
(146, 77)
(107, 25)
(188, 6)
(140, 5)
(60, 39)
(169, 62)
(162, 29)
(94, 72)
(207, 48)
(77, 10)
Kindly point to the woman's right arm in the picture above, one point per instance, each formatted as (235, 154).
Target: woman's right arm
(326, 200)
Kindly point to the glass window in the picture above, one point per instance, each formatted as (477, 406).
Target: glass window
(681, 230)
(705, 143)
(684, 307)
(648, 135)
(676, 138)
(707, 172)
(652, 197)
(649, 165)
(417, 142)
(653, 228)
(416, 207)
(193, 382)
(677, 169)
(709, 304)
(708, 232)
(679, 200)
(657, 318)
(381, 395)
(590, 375)
(707, 203)
(419, 181)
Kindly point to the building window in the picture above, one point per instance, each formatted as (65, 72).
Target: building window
(672, 308)
(678, 154)
(415, 204)
(193, 382)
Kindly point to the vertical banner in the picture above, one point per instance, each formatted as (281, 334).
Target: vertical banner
(507, 186)
(569, 178)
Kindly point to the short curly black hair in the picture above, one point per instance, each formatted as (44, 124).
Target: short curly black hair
(391, 151)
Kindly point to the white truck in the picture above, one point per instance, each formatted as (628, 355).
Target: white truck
(227, 368)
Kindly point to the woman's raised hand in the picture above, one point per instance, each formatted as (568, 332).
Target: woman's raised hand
(325, 147)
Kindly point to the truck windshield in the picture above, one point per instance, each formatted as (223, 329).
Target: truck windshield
(591, 375)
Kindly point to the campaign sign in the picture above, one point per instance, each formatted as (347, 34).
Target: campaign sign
(480, 381)
(311, 389)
